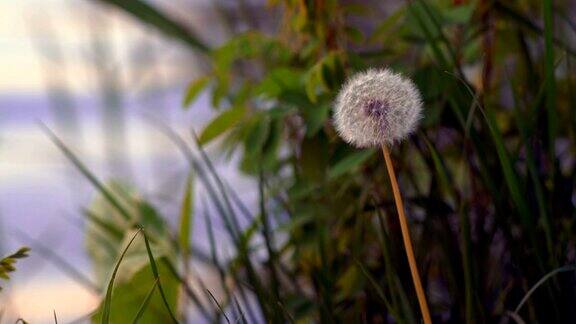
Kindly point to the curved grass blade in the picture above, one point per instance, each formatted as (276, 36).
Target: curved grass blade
(108, 299)
(376, 286)
(154, 268)
(540, 282)
(187, 289)
(183, 147)
(242, 317)
(219, 306)
(516, 317)
(154, 17)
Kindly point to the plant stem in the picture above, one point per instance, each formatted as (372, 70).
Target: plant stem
(406, 238)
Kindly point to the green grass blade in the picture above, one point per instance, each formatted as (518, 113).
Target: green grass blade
(145, 303)
(186, 215)
(376, 287)
(221, 271)
(154, 17)
(223, 208)
(550, 81)
(105, 225)
(84, 170)
(442, 35)
(218, 305)
(268, 239)
(540, 282)
(539, 190)
(187, 288)
(466, 243)
(390, 269)
(404, 302)
(154, 268)
(242, 317)
(510, 175)
(220, 185)
(439, 167)
(108, 299)
(504, 8)
(513, 184)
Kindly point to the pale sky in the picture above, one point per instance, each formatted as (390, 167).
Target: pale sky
(26, 26)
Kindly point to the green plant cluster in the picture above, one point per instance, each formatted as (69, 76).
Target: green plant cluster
(488, 180)
(7, 264)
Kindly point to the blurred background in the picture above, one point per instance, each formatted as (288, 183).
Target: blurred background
(97, 77)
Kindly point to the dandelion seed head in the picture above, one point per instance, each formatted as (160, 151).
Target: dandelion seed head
(377, 107)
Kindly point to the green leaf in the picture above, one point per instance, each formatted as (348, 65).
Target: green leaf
(459, 14)
(220, 89)
(145, 303)
(7, 263)
(256, 136)
(349, 162)
(186, 214)
(278, 81)
(107, 230)
(194, 89)
(312, 80)
(315, 118)
(221, 124)
(129, 296)
(332, 71)
(355, 35)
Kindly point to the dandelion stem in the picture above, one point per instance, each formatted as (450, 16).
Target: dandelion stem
(406, 238)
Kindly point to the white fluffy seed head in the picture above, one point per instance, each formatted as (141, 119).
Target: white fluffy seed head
(377, 107)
